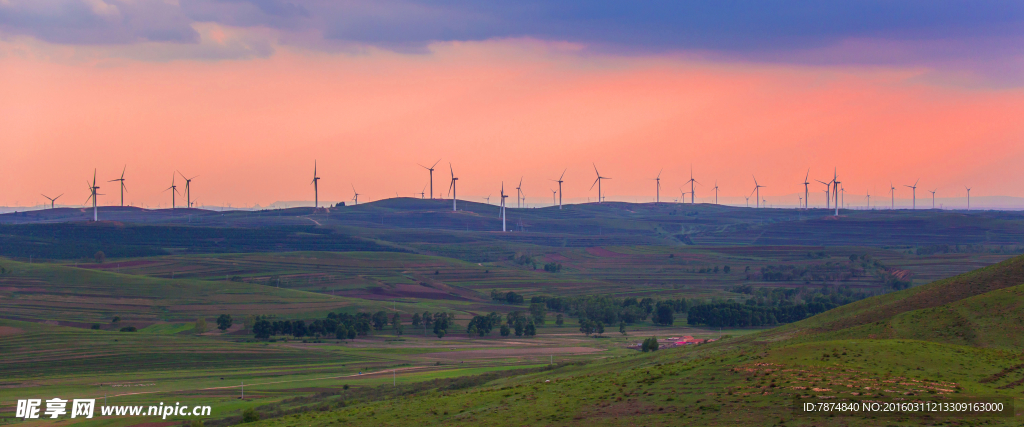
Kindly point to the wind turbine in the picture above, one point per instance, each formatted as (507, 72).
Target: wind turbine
(121, 179)
(892, 193)
(92, 195)
(316, 191)
(657, 190)
(174, 189)
(52, 199)
(519, 193)
(503, 197)
(914, 188)
(451, 189)
(355, 196)
(716, 192)
(757, 188)
(553, 199)
(968, 198)
(828, 193)
(488, 199)
(682, 196)
(868, 193)
(431, 169)
(423, 192)
(598, 183)
(188, 187)
(559, 181)
(691, 182)
(933, 196)
(806, 191)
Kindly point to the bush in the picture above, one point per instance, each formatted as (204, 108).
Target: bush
(650, 344)
(224, 322)
(100, 257)
(128, 329)
(95, 325)
(250, 415)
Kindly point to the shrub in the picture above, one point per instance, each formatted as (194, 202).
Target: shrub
(250, 415)
(95, 325)
(100, 257)
(128, 329)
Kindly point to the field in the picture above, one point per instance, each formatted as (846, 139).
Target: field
(956, 331)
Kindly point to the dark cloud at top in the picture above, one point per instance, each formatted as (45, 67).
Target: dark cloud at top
(755, 29)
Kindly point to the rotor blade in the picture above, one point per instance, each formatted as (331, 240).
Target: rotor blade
(55, 198)
(435, 163)
(595, 182)
(659, 173)
(595, 170)
(563, 174)
(452, 170)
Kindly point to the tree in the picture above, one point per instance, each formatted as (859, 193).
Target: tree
(664, 314)
(650, 344)
(200, 325)
(399, 329)
(362, 327)
(224, 322)
(299, 329)
(530, 330)
(519, 327)
(396, 321)
(379, 319)
(622, 328)
(416, 320)
(586, 326)
(599, 328)
(726, 269)
(352, 333)
(341, 332)
(262, 329)
(428, 318)
(100, 257)
(559, 320)
(505, 331)
(538, 312)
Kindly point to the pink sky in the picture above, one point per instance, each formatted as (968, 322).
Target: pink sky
(497, 110)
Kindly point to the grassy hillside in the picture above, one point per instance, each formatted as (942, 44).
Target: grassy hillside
(1008, 273)
(80, 297)
(958, 337)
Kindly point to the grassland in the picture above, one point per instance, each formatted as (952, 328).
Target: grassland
(957, 333)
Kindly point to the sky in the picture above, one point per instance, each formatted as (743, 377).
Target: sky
(247, 94)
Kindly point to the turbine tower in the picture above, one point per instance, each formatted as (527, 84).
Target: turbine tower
(174, 189)
(519, 193)
(121, 179)
(657, 189)
(933, 196)
(914, 188)
(716, 192)
(553, 199)
(559, 181)
(92, 195)
(503, 197)
(52, 200)
(968, 198)
(835, 190)
(757, 188)
(806, 191)
(868, 193)
(431, 169)
(691, 182)
(355, 195)
(598, 183)
(828, 193)
(316, 191)
(892, 193)
(188, 187)
(451, 189)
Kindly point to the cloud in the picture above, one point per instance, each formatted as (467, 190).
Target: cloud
(983, 36)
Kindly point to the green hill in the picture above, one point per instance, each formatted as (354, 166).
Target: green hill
(954, 338)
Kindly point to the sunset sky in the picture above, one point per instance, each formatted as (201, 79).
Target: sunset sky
(247, 94)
